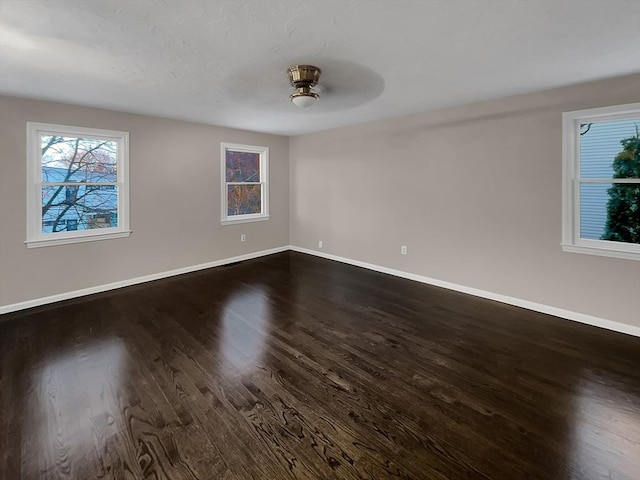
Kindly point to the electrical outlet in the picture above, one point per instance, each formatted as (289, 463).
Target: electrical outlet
(403, 249)
(243, 237)
(320, 244)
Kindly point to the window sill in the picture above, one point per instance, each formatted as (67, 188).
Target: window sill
(49, 242)
(245, 220)
(602, 252)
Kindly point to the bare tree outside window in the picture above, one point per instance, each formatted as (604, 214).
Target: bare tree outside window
(75, 172)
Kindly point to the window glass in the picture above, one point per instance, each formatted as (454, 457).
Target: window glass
(243, 166)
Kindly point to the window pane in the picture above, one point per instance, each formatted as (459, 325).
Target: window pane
(82, 207)
(244, 199)
(242, 166)
(610, 212)
(74, 159)
(607, 149)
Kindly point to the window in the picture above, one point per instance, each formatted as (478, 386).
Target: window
(245, 195)
(77, 184)
(601, 190)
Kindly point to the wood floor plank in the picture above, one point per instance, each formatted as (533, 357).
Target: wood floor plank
(292, 367)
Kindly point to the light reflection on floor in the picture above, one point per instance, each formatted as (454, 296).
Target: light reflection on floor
(246, 321)
(606, 430)
(73, 394)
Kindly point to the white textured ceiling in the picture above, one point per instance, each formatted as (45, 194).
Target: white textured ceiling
(224, 63)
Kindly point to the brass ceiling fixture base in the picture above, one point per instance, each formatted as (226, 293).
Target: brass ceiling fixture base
(304, 92)
(303, 78)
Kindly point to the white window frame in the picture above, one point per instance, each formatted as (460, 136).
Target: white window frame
(35, 236)
(264, 182)
(571, 241)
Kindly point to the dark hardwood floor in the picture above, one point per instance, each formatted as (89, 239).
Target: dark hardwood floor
(294, 367)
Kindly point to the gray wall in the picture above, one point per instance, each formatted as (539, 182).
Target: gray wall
(175, 203)
(475, 193)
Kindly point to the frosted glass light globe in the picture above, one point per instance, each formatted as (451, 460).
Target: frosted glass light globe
(303, 101)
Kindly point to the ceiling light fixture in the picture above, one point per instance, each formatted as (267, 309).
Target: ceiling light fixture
(303, 78)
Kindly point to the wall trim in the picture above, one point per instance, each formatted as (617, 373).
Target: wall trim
(537, 307)
(134, 281)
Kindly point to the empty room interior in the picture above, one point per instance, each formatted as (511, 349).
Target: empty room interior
(297, 239)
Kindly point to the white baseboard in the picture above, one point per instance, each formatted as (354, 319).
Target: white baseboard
(134, 281)
(537, 307)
